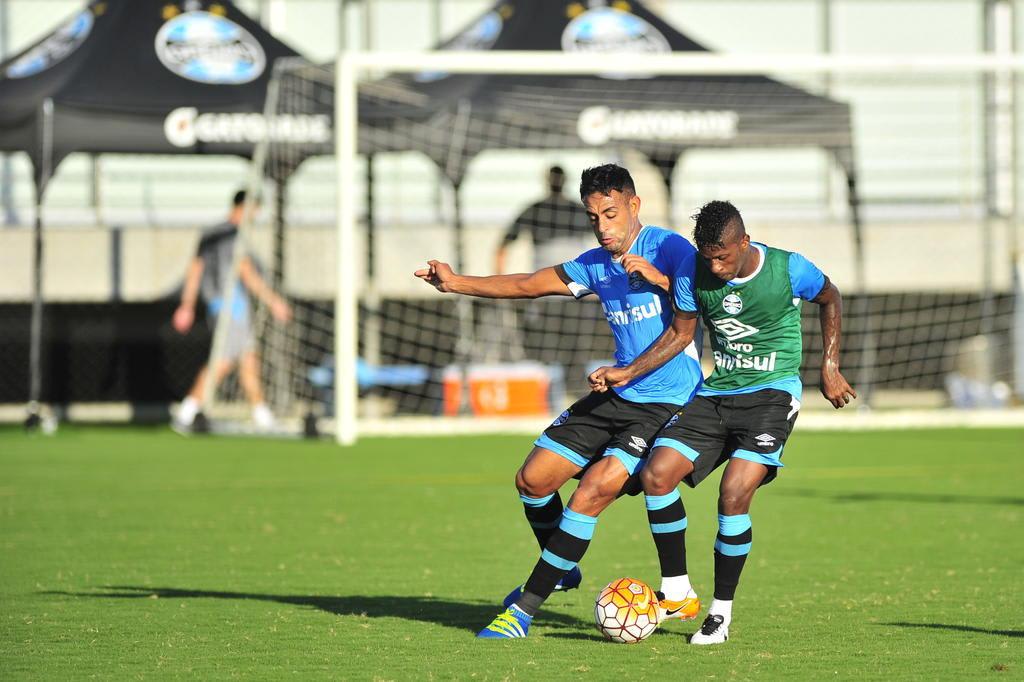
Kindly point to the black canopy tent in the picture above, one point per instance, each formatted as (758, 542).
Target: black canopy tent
(566, 112)
(661, 116)
(141, 77)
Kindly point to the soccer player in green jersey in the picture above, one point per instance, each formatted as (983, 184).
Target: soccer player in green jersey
(749, 297)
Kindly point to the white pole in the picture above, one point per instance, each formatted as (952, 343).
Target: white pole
(346, 301)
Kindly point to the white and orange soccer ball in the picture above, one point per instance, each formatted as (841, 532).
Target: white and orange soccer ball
(626, 611)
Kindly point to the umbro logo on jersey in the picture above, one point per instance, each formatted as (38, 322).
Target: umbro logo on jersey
(765, 440)
(637, 442)
(731, 329)
(732, 304)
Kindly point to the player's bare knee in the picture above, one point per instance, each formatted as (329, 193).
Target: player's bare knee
(530, 486)
(591, 498)
(656, 480)
(732, 501)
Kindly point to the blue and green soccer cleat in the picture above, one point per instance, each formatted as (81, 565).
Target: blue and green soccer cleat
(570, 581)
(511, 624)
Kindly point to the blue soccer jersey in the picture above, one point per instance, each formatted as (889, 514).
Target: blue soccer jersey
(638, 312)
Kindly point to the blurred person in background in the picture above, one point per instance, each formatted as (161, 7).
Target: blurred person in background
(208, 276)
(559, 230)
(558, 227)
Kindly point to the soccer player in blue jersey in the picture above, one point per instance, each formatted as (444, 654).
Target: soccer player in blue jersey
(749, 296)
(643, 277)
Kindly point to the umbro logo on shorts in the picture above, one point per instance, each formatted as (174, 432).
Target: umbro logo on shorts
(765, 440)
(637, 442)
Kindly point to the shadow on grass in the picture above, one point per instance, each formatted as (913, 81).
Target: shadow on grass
(593, 635)
(928, 498)
(463, 615)
(959, 628)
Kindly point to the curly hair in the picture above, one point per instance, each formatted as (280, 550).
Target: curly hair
(714, 221)
(604, 179)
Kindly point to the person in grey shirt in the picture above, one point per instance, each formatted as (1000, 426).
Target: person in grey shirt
(209, 276)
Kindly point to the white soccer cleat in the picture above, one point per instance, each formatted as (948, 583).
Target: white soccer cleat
(263, 418)
(714, 631)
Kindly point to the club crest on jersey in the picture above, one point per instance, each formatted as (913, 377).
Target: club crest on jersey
(638, 443)
(732, 304)
(561, 419)
(636, 280)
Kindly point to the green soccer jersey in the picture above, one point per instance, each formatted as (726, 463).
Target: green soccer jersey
(754, 322)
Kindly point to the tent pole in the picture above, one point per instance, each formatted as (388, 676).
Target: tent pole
(36, 330)
(371, 300)
(463, 306)
(43, 170)
(6, 172)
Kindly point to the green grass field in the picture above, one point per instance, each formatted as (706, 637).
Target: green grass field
(137, 553)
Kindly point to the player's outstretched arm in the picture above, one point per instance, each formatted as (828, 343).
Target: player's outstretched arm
(830, 313)
(671, 343)
(544, 282)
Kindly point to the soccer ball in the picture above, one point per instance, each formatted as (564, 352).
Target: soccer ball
(626, 611)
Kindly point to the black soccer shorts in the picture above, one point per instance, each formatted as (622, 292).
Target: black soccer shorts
(710, 430)
(603, 424)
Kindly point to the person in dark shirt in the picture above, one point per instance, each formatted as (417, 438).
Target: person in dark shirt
(552, 331)
(557, 226)
(209, 275)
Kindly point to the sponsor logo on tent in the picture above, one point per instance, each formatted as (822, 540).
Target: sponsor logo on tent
(600, 125)
(54, 48)
(207, 48)
(480, 36)
(186, 127)
(609, 30)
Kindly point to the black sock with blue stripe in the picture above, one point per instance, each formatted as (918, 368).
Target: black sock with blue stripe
(667, 517)
(732, 546)
(564, 550)
(543, 515)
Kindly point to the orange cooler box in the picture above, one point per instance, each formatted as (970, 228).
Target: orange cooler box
(510, 390)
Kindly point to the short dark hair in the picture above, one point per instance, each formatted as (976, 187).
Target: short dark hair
(604, 179)
(239, 198)
(556, 179)
(713, 221)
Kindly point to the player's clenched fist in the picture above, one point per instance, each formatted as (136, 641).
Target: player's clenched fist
(603, 378)
(437, 275)
(835, 387)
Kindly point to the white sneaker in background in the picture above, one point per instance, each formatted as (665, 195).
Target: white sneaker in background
(263, 417)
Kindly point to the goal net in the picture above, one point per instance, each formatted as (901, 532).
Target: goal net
(899, 178)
